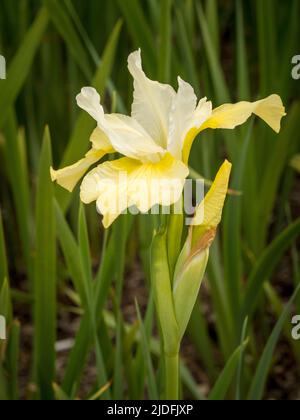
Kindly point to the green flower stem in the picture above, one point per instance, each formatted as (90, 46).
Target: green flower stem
(172, 376)
(164, 302)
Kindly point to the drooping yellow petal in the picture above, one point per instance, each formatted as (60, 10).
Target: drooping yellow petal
(68, 177)
(152, 101)
(229, 116)
(126, 182)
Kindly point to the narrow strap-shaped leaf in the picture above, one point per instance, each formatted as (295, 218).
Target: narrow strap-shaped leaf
(77, 358)
(190, 383)
(265, 266)
(63, 23)
(213, 60)
(242, 64)
(152, 386)
(93, 53)
(5, 303)
(20, 188)
(59, 393)
(260, 378)
(223, 383)
(3, 257)
(284, 146)
(140, 30)
(13, 360)
(84, 249)
(86, 269)
(21, 64)
(84, 336)
(232, 243)
(212, 16)
(165, 40)
(198, 332)
(45, 277)
(120, 249)
(187, 52)
(241, 363)
(72, 256)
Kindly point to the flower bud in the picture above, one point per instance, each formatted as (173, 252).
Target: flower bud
(162, 288)
(192, 262)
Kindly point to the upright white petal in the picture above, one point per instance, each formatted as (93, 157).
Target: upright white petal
(152, 101)
(130, 139)
(183, 108)
(89, 101)
(185, 116)
(124, 133)
(99, 139)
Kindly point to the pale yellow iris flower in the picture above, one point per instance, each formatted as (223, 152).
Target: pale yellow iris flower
(155, 141)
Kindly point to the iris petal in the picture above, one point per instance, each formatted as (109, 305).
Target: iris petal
(229, 116)
(152, 101)
(69, 176)
(124, 133)
(124, 183)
